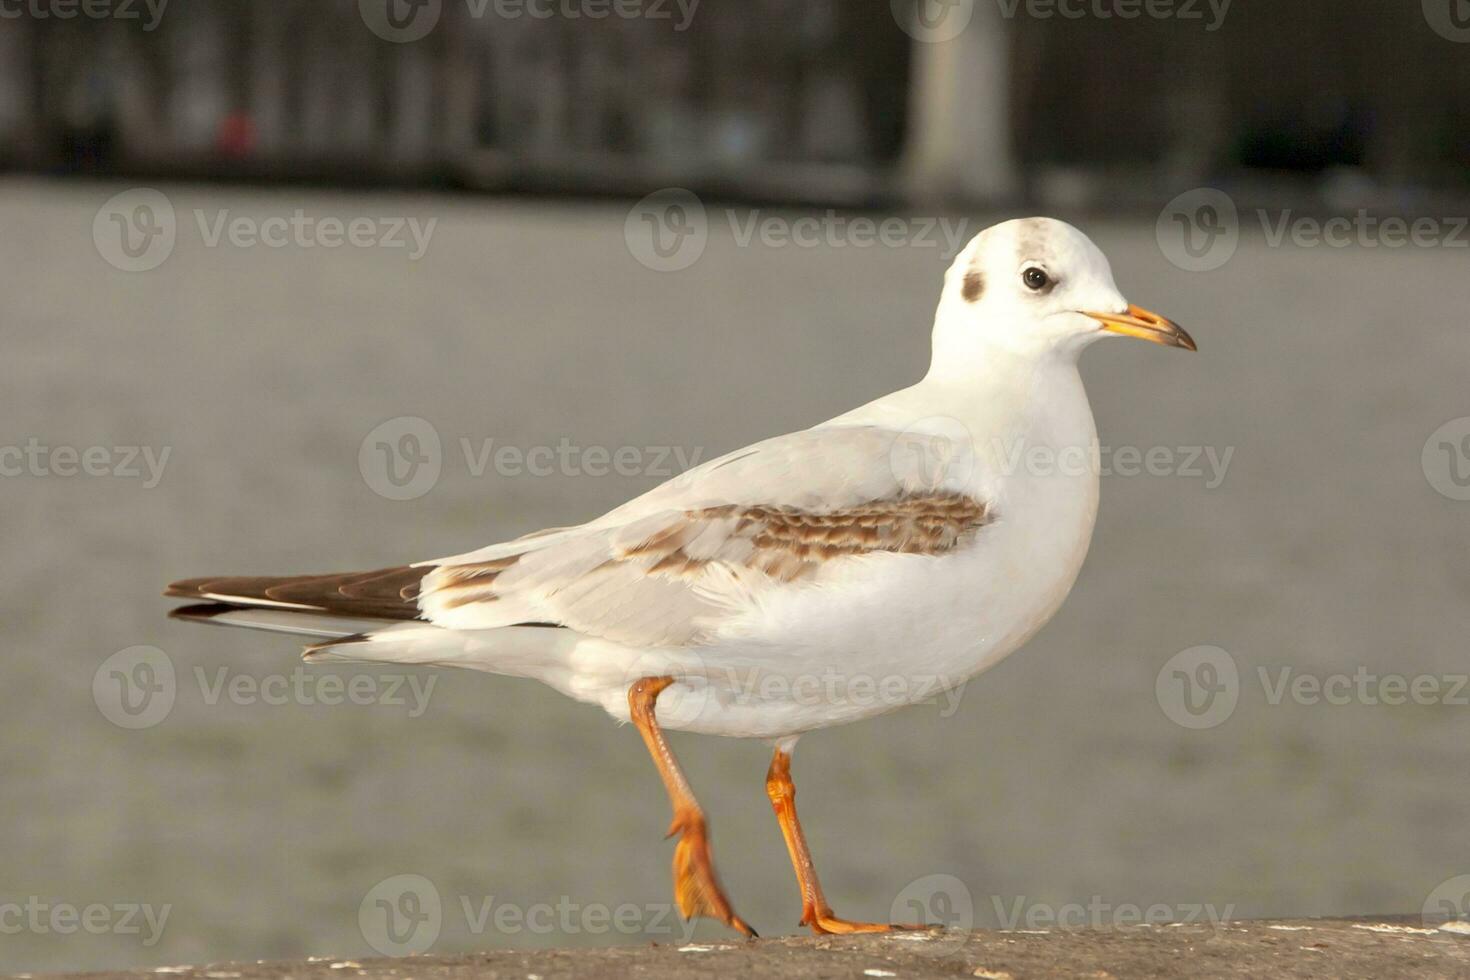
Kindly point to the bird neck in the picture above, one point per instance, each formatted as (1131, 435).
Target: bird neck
(1033, 396)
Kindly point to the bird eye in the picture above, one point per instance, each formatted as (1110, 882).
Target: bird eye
(1035, 279)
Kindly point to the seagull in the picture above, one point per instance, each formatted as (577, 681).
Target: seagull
(808, 580)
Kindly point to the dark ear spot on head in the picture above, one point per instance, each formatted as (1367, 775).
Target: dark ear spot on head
(974, 285)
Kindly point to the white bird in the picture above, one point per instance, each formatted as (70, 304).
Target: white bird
(809, 580)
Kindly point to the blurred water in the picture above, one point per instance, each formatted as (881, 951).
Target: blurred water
(1058, 779)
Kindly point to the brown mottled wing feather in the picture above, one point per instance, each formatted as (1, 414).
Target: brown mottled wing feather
(657, 581)
(384, 593)
(669, 567)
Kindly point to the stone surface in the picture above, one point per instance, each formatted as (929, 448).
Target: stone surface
(1368, 948)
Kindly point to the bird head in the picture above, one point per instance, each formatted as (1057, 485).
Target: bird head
(1035, 286)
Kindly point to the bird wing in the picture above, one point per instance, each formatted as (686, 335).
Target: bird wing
(669, 567)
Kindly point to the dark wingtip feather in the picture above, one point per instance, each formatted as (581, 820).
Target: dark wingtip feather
(383, 593)
(200, 612)
(312, 648)
(189, 588)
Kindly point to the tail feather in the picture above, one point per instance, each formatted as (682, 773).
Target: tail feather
(384, 593)
(344, 617)
(272, 620)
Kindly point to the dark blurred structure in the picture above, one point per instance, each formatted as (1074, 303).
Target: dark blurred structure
(802, 99)
(1303, 88)
(307, 89)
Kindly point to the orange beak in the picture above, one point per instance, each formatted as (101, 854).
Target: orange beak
(1140, 323)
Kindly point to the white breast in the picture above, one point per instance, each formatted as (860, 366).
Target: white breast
(886, 630)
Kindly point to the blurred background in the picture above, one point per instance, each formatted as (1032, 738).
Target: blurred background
(304, 286)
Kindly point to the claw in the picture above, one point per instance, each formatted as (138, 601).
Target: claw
(825, 923)
(696, 887)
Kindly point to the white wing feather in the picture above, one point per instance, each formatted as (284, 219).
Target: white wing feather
(669, 567)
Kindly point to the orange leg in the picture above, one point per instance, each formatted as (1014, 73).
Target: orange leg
(815, 911)
(696, 888)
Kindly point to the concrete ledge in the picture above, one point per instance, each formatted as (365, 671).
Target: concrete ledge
(1378, 947)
